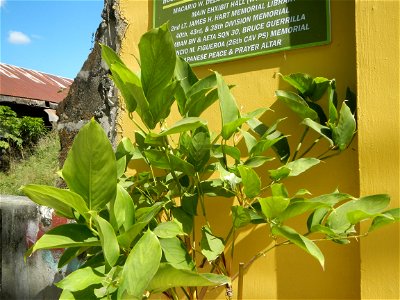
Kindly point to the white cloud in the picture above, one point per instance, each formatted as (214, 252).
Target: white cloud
(2, 2)
(17, 37)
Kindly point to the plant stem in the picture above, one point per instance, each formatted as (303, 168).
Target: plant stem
(137, 124)
(201, 196)
(186, 293)
(240, 283)
(312, 146)
(300, 143)
(258, 255)
(321, 156)
(329, 156)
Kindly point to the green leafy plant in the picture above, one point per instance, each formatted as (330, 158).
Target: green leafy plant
(136, 233)
(15, 132)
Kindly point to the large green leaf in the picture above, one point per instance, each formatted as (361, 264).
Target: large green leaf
(321, 129)
(162, 160)
(211, 245)
(186, 78)
(64, 236)
(143, 218)
(251, 181)
(176, 254)
(257, 161)
(168, 229)
(198, 146)
(301, 81)
(109, 55)
(294, 168)
(125, 148)
(240, 216)
(344, 131)
(81, 279)
(160, 107)
(140, 266)
(61, 200)
(126, 81)
(272, 206)
(297, 104)
(186, 124)
(109, 241)
(228, 106)
(158, 59)
(200, 102)
(90, 169)
(301, 165)
(339, 220)
(230, 128)
(266, 143)
(300, 241)
(216, 188)
(387, 217)
(168, 277)
(299, 207)
(184, 219)
(203, 85)
(124, 209)
(321, 84)
(281, 147)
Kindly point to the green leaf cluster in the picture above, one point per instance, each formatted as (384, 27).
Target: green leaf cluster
(134, 231)
(18, 132)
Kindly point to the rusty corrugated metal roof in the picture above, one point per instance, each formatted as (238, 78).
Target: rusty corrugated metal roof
(30, 84)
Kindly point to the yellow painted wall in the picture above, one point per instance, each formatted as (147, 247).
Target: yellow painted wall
(378, 52)
(288, 273)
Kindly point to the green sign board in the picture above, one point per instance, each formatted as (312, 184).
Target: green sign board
(209, 31)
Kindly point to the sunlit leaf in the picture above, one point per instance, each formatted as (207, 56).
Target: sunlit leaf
(168, 229)
(250, 180)
(211, 245)
(140, 266)
(344, 131)
(297, 104)
(300, 241)
(300, 81)
(176, 254)
(168, 277)
(59, 199)
(64, 236)
(157, 58)
(240, 216)
(81, 279)
(387, 217)
(108, 240)
(90, 169)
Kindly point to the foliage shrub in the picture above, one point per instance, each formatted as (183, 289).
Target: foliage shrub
(17, 133)
(149, 232)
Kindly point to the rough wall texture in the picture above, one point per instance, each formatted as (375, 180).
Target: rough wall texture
(93, 94)
(22, 224)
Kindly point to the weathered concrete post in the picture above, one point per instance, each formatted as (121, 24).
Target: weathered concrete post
(22, 223)
(93, 94)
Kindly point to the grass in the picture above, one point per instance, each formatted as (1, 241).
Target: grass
(39, 166)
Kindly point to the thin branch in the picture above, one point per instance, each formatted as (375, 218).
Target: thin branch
(300, 143)
(312, 146)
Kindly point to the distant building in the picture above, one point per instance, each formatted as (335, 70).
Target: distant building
(32, 93)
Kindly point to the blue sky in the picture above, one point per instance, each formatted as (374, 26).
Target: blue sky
(53, 36)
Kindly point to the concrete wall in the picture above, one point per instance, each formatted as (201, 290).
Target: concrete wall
(22, 223)
(378, 78)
